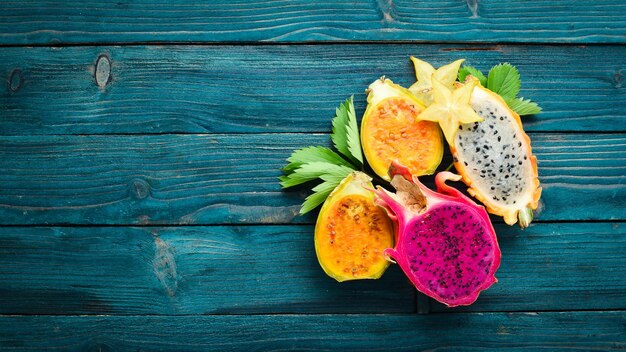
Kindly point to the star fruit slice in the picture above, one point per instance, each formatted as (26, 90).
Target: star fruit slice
(451, 108)
(424, 73)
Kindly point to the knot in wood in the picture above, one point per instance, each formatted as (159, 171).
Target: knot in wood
(15, 80)
(103, 71)
(472, 5)
(617, 79)
(139, 189)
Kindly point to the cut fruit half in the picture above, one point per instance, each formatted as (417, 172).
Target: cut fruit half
(352, 232)
(391, 130)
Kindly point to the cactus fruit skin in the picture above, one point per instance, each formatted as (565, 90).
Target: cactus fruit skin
(494, 158)
(391, 130)
(445, 243)
(351, 232)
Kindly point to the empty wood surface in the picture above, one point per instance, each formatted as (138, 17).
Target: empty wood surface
(601, 331)
(55, 22)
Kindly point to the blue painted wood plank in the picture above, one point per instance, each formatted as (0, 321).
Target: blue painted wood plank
(53, 22)
(597, 331)
(293, 88)
(181, 270)
(272, 269)
(223, 179)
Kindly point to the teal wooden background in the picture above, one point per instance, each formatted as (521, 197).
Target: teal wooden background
(140, 144)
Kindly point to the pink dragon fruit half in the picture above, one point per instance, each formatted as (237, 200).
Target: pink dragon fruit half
(445, 243)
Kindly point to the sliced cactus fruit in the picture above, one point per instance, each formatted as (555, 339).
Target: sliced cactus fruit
(392, 130)
(445, 242)
(496, 160)
(351, 232)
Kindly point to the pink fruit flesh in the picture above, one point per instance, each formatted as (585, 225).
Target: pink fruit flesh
(445, 242)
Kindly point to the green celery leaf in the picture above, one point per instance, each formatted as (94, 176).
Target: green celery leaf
(523, 106)
(320, 193)
(469, 70)
(345, 134)
(311, 171)
(312, 163)
(313, 154)
(504, 79)
(337, 178)
(340, 127)
(354, 140)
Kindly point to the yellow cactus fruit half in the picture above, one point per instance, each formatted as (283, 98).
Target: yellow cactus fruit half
(352, 232)
(392, 130)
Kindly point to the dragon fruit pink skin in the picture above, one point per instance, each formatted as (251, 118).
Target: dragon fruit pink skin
(445, 243)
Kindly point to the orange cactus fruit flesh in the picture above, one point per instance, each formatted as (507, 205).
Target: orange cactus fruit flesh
(392, 130)
(352, 232)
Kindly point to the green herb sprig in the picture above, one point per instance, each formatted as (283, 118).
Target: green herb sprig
(322, 163)
(503, 79)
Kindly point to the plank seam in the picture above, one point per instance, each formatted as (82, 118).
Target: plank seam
(46, 225)
(615, 310)
(310, 43)
(66, 225)
(308, 133)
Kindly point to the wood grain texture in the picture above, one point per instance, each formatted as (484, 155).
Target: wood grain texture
(182, 270)
(54, 22)
(588, 331)
(226, 179)
(273, 269)
(293, 88)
